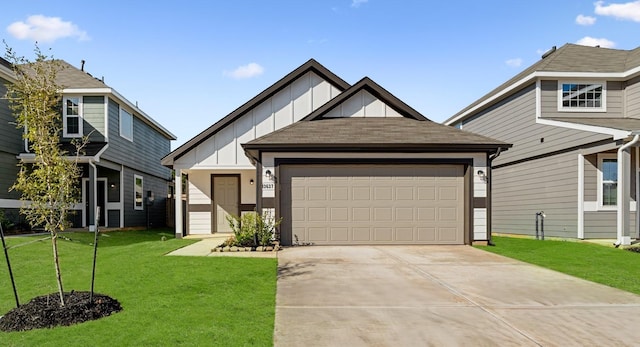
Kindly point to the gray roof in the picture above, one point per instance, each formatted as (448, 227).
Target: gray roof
(570, 58)
(71, 77)
(373, 132)
(310, 65)
(628, 124)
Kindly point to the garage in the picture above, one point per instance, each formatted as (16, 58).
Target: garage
(353, 204)
(367, 169)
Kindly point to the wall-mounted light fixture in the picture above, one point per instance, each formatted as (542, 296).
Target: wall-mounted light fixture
(251, 182)
(112, 186)
(268, 174)
(482, 175)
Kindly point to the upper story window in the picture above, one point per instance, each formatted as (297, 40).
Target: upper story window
(72, 116)
(126, 124)
(582, 96)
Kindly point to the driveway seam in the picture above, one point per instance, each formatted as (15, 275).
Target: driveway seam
(458, 293)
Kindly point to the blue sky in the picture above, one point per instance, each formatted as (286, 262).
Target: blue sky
(189, 63)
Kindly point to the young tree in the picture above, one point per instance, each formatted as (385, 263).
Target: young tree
(49, 183)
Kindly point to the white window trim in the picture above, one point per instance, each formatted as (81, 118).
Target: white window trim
(120, 123)
(602, 108)
(601, 157)
(135, 206)
(80, 116)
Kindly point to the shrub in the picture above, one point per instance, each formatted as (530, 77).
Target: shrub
(252, 229)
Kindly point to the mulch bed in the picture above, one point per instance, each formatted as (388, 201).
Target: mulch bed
(45, 311)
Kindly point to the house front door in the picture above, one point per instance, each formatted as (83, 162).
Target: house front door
(226, 201)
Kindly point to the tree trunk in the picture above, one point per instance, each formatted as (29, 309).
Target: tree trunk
(54, 243)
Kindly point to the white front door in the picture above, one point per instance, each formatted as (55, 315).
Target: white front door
(226, 194)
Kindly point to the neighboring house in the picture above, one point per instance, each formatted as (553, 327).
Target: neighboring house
(573, 118)
(122, 174)
(340, 164)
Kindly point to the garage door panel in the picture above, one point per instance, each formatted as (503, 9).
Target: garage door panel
(383, 234)
(373, 204)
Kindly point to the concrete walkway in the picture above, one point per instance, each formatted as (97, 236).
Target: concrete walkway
(441, 296)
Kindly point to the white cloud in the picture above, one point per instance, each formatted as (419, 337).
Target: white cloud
(45, 29)
(245, 71)
(592, 41)
(357, 3)
(629, 10)
(516, 62)
(585, 20)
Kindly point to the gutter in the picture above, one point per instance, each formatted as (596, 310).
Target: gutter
(620, 194)
(490, 193)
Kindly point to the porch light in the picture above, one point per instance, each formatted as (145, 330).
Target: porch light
(268, 174)
(482, 175)
(251, 181)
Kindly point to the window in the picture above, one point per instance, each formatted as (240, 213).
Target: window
(138, 200)
(607, 180)
(582, 97)
(126, 124)
(72, 117)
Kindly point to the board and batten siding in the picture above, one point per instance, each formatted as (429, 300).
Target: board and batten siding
(547, 184)
(513, 120)
(362, 104)
(549, 100)
(289, 105)
(146, 150)
(93, 117)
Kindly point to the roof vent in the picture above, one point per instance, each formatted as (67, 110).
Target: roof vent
(549, 52)
(82, 65)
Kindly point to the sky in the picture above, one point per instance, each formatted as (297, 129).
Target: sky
(189, 63)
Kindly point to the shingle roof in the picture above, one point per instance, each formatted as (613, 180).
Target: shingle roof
(629, 124)
(311, 65)
(71, 77)
(570, 58)
(372, 132)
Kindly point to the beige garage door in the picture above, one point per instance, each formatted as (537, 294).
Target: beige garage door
(372, 204)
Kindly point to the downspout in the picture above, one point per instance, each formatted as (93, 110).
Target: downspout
(94, 203)
(620, 193)
(489, 194)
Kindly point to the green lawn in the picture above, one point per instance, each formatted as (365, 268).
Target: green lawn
(167, 301)
(610, 266)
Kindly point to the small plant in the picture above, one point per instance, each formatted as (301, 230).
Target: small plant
(252, 229)
(4, 221)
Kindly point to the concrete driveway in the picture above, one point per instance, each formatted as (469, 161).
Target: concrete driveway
(441, 296)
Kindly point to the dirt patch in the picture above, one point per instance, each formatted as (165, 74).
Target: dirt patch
(45, 311)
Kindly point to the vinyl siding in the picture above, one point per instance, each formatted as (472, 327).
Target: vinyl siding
(548, 184)
(633, 98)
(146, 150)
(8, 175)
(157, 211)
(10, 136)
(614, 101)
(514, 121)
(602, 225)
(93, 114)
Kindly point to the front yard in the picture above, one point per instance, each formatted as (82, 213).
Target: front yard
(167, 301)
(616, 268)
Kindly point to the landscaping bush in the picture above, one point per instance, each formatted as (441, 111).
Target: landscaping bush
(251, 229)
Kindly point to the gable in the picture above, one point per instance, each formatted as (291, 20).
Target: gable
(362, 104)
(290, 104)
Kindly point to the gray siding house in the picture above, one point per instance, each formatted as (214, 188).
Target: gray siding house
(122, 174)
(574, 121)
